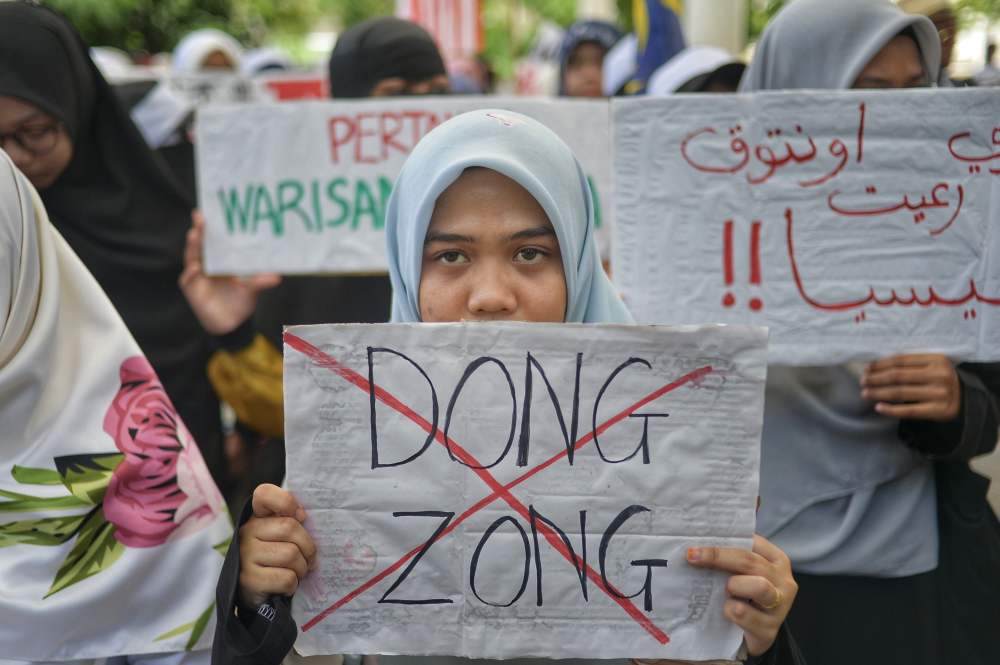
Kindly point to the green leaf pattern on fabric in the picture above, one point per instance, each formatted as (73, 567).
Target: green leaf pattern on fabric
(96, 548)
(45, 531)
(29, 476)
(199, 627)
(87, 476)
(223, 547)
(22, 503)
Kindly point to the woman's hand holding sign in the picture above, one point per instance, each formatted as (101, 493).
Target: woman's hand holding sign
(276, 551)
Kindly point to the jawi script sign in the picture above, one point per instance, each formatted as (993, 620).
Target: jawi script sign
(852, 224)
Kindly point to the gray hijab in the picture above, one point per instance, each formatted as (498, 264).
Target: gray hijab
(840, 493)
(825, 44)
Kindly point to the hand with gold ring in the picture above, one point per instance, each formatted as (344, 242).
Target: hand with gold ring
(761, 588)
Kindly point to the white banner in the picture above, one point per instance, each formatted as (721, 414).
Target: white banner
(503, 490)
(853, 224)
(302, 187)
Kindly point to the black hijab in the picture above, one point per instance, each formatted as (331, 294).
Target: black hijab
(365, 54)
(381, 48)
(116, 204)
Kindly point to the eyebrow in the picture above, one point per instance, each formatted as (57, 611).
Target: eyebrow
(534, 232)
(33, 115)
(435, 236)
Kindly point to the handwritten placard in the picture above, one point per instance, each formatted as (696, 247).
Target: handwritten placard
(303, 187)
(853, 224)
(530, 497)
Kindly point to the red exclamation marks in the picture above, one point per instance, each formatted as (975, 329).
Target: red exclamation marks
(729, 299)
(756, 304)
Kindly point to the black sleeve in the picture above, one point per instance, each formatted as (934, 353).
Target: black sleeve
(784, 651)
(974, 431)
(243, 635)
(239, 338)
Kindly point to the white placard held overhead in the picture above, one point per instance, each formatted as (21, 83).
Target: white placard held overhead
(302, 187)
(853, 224)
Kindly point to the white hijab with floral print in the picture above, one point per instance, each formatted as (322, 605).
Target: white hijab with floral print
(112, 532)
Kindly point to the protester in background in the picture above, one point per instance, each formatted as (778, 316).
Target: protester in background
(619, 65)
(697, 69)
(266, 60)
(384, 57)
(581, 57)
(381, 57)
(864, 475)
(448, 186)
(990, 74)
(105, 501)
(942, 15)
(206, 50)
(112, 199)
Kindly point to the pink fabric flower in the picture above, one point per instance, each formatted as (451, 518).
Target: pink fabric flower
(162, 488)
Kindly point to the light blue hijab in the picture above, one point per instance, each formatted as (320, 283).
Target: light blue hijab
(531, 155)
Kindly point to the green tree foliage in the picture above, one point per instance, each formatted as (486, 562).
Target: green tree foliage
(157, 25)
(989, 9)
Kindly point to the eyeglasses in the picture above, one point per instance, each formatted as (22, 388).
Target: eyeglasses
(35, 139)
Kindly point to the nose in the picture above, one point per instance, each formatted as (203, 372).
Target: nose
(493, 294)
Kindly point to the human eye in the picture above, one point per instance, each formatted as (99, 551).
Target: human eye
(531, 255)
(451, 257)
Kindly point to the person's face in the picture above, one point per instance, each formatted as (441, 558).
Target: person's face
(37, 143)
(897, 65)
(217, 61)
(490, 254)
(583, 74)
(396, 86)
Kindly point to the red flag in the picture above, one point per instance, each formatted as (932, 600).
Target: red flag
(456, 25)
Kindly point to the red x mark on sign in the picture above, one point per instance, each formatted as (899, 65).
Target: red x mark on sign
(499, 491)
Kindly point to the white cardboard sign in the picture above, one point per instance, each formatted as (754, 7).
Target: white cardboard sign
(302, 187)
(853, 225)
(434, 463)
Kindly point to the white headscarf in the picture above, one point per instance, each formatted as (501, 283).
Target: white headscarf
(531, 155)
(191, 51)
(108, 516)
(691, 62)
(825, 44)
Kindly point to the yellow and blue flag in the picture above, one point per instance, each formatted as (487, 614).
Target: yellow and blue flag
(659, 35)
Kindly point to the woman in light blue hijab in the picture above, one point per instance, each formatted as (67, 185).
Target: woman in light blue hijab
(491, 218)
(533, 157)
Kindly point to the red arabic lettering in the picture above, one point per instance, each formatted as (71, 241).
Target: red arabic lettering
(772, 158)
(871, 298)
(905, 204)
(975, 162)
(737, 145)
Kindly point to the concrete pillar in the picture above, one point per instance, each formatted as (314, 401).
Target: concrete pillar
(721, 23)
(603, 10)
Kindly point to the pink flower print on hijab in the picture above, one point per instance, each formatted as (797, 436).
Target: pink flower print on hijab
(162, 489)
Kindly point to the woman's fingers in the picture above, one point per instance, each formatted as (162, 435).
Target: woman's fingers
(761, 587)
(271, 500)
(760, 628)
(730, 560)
(914, 386)
(760, 590)
(282, 530)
